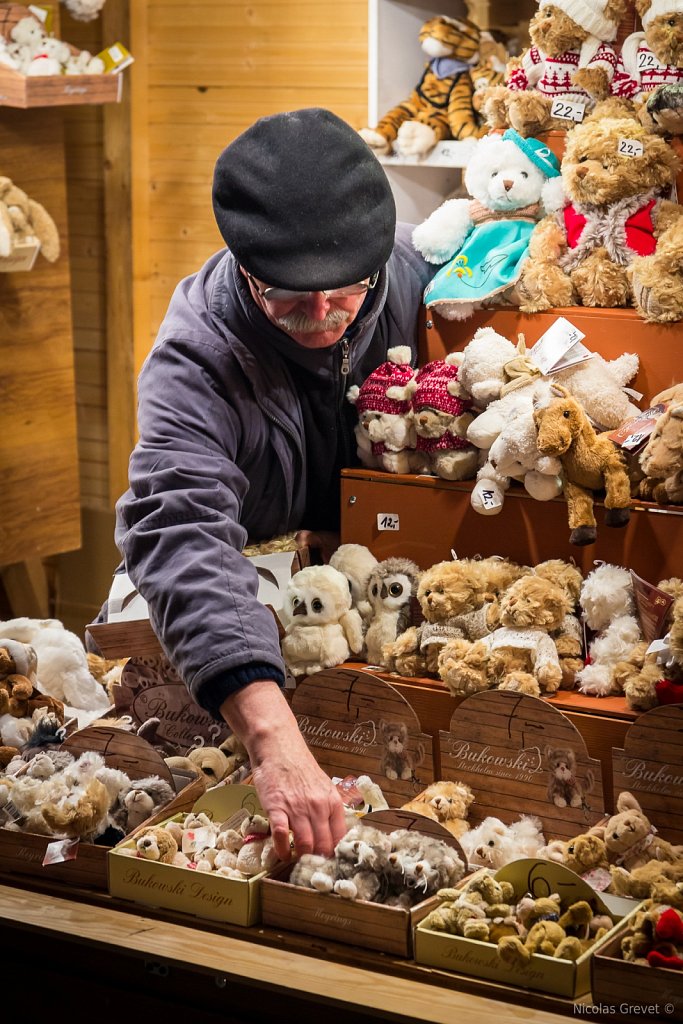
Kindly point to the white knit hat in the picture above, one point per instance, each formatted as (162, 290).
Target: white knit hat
(660, 7)
(590, 14)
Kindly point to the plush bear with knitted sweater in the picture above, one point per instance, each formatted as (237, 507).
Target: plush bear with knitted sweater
(570, 61)
(441, 415)
(651, 62)
(385, 433)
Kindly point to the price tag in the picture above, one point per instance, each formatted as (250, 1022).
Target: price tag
(646, 60)
(634, 440)
(198, 839)
(387, 521)
(60, 850)
(630, 147)
(481, 83)
(490, 499)
(568, 110)
(553, 346)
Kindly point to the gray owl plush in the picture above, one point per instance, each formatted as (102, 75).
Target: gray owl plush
(392, 585)
(322, 629)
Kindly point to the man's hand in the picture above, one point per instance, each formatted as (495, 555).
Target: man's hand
(294, 791)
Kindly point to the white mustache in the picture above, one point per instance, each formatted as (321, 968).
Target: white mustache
(301, 323)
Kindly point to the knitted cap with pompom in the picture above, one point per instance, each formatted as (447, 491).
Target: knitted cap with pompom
(388, 388)
(437, 387)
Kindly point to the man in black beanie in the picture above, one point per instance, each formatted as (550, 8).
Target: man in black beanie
(244, 425)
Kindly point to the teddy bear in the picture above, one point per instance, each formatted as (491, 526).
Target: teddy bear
(656, 277)
(519, 654)
(22, 219)
(641, 935)
(449, 593)
(482, 910)
(608, 609)
(445, 802)
(590, 462)
(552, 932)
(585, 854)
(257, 852)
(566, 70)
(385, 432)
(614, 212)
(441, 415)
(84, 10)
(652, 674)
(356, 562)
(631, 839)
(321, 626)
(483, 242)
(569, 637)
(493, 844)
(661, 460)
(156, 843)
(392, 586)
(440, 106)
(639, 883)
(650, 61)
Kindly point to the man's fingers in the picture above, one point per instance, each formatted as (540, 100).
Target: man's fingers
(338, 823)
(279, 830)
(303, 837)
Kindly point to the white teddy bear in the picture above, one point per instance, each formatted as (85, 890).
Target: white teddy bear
(608, 608)
(484, 241)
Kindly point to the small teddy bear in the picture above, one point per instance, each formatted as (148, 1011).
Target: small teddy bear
(568, 67)
(569, 637)
(483, 241)
(385, 433)
(445, 802)
(440, 106)
(638, 884)
(441, 414)
(586, 854)
(322, 628)
(631, 839)
(565, 789)
(156, 843)
(257, 852)
(519, 654)
(23, 219)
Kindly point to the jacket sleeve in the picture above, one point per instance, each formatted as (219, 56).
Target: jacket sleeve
(178, 525)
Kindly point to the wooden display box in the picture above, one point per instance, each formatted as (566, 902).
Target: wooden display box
(356, 922)
(200, 894)
(22, 257)
(17, 90)
(542, 973)
(22, 853)
(618, 983)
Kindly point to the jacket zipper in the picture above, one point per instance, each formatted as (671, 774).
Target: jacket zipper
(344, 370)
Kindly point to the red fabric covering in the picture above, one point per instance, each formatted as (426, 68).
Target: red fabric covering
(640, 232)
(669, 691)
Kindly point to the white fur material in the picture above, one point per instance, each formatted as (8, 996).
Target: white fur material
(415, 139)
(322, 628)
(607, 608)
(493, 844)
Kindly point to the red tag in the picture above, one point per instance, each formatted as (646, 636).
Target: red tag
(635, 433)
(652, 605)
(60, 850)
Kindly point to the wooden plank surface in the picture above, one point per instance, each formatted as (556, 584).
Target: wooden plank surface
(380, 991)
(38, 453)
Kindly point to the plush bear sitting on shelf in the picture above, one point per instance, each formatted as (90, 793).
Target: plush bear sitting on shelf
(385, 432)
(440, 107)
(441, 414)
(570, 60)
(652, 61)
(662, 458)
(615, 212)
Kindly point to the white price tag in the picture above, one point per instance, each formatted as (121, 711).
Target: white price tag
(552, 347)
(387, 521)
(198, 839)
(646, 60)
(568, 110)
(630, 147)
(634, 440)
(481, 83)
(490, 499)
(115, 53)
(38, 12)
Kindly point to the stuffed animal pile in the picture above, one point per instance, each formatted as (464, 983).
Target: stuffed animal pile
(199, 844)
(31, 51)
(24, 221)
(398, 869)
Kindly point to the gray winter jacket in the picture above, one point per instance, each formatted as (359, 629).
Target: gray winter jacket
(221, 457)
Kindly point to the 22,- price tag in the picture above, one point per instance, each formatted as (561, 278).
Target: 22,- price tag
(387, 521)
(630, 147)
(568, 110)
(646, 60)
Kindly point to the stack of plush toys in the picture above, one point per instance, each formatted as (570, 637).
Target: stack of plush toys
(601, 230)
(30, 50)
(200, 844)
(24, 221)
(484, 623)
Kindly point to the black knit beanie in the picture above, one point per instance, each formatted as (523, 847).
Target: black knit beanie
(303, 203)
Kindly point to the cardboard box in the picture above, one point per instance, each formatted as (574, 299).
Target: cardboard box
(542, 973)
(357, 922)
(622, 984)
(24, 853)
(210, 896)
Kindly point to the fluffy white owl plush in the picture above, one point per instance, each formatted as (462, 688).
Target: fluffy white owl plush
(322, 628)
(391, 586)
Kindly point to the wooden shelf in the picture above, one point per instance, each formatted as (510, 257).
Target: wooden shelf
(24, 91)
(450, 153)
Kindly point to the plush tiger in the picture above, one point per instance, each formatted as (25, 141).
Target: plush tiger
(440, 106)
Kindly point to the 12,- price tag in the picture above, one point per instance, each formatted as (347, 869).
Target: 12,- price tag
(490, 499)
(568, 110)
(630, 147)
(387, 521)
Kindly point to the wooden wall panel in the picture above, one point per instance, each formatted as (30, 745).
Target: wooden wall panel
(210, 70)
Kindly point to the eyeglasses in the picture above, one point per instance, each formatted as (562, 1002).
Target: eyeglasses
(287, 295)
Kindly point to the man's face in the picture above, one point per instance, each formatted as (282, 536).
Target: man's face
(312, 320)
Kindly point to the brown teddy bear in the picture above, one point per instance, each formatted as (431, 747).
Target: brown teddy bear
(569, 637)
(569, 61)
(584, 854)
(650, 61)
(450, 594)
(445, 802)
(639, 883)
(518, 655)
(631, 839)
(661, 460)
(650, 679)
(614, 214)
